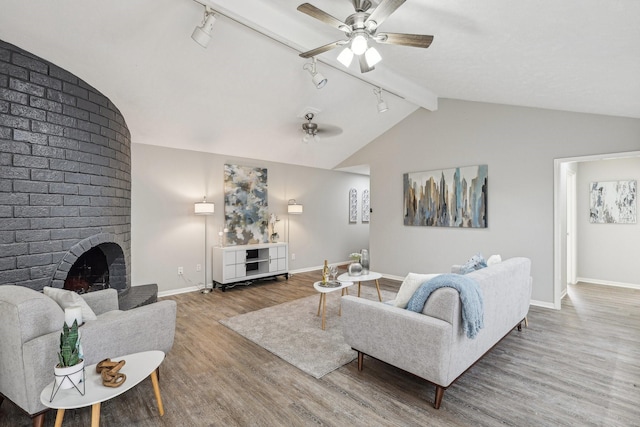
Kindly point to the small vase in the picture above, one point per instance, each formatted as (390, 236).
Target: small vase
(68, 376)
(365, 261)
(355, 269)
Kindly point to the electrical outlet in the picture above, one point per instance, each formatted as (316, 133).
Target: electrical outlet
(180, 271)
(293, 257)
(198, 267)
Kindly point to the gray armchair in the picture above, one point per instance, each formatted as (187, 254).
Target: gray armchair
(30, 326)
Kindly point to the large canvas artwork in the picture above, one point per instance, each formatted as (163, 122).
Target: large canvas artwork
(246, 205)
(613, 202)
(454, 197)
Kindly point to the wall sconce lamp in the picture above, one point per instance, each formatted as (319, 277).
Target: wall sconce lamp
(382, 106)
(206, 209)
(294, 208)
(318, 79)
(202, 33)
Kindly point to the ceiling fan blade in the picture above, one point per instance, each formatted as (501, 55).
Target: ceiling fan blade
(328, 130)
(415, 40)
(382, 12)
(323, 49)
(323, 16)
(364, 67)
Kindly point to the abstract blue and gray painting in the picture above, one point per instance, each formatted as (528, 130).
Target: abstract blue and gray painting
(246, 209)
(454, 197)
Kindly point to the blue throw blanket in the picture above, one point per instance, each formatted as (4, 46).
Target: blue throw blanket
(470, 297)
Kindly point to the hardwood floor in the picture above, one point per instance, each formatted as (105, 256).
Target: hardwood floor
(577, 366)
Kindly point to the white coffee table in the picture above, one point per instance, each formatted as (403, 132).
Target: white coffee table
(372, 275)
(323, 296)
(138, 366)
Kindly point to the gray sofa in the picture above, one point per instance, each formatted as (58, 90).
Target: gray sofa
(30, 327)
(432, 344)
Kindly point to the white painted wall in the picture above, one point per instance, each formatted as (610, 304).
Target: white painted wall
(607, 253)
(165, 234)
(519, 145)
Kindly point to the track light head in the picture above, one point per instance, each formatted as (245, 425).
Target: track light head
(382, 106)
(319, 81)
(202, 33)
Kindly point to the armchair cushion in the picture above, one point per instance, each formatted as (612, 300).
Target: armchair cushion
(66, 299)
(102, 301)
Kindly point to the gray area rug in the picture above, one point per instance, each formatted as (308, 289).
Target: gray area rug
(293, 332)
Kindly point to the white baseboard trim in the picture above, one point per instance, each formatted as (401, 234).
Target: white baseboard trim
(608, 283)
(178, 291)
(542, 304)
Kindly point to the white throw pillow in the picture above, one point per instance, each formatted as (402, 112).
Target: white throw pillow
(494, 259)
(66, 298)
(409, 286)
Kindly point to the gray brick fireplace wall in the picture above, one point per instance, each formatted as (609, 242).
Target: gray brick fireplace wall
(65, 173)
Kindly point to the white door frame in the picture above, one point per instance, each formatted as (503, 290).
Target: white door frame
(571, 227)
(559, 207)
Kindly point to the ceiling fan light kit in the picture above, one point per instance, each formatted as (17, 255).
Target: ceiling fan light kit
(310, 130)
(202, 34)
(361, 28)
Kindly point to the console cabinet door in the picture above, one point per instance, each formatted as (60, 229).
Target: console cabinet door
(273, 260)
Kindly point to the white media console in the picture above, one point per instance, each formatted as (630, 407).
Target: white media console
(241, 264)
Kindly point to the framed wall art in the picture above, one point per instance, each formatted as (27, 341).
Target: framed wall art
(366, 206)
(353, 205)
(613, 202)
(246, 209)
(454, 197)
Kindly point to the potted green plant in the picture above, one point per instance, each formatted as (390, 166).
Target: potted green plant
(70, 367)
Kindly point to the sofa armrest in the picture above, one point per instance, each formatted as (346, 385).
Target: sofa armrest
(414, 342)
(117, 333)
(102, 301)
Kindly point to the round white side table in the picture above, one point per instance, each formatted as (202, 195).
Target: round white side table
(371, 276)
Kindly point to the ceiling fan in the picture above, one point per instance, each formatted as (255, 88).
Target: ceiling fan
(311, 130)
(361, 28)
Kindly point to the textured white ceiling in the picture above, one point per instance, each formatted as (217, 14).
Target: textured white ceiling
(242, 96)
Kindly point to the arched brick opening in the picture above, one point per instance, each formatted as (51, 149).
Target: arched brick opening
(110, 247)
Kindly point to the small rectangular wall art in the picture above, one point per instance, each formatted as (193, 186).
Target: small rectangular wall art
(613, 202)
(353, 205)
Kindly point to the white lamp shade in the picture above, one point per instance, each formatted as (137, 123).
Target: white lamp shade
(204, 208)
(346, 56)
(359, 44)
(294, 209)
(372, 56)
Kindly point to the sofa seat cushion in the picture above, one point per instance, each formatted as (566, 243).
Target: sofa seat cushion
(66, 299)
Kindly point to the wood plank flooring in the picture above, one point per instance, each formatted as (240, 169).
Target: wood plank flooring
(579, 366)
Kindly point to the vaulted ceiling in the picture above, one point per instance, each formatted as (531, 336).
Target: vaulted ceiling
(246, 93)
